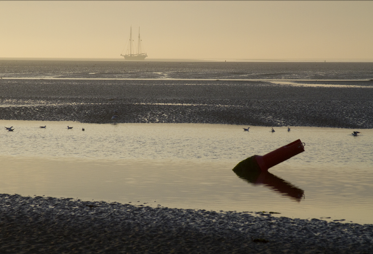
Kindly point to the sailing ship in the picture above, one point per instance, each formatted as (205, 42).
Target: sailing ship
(134, 56)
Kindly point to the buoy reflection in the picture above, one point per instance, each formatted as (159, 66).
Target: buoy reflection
(258, 177)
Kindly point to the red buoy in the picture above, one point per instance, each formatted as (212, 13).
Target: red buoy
(275, 157)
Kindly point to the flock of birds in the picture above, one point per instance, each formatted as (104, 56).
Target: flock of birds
(354, 133)
(42, 127)
(68, 127)
(272, 130)
(113, 118)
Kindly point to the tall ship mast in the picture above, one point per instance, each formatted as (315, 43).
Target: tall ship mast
(134, 56)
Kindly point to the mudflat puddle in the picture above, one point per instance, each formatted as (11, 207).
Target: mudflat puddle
(190, 166)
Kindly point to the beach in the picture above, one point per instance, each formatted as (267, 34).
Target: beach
(42, 224)
(227, 127)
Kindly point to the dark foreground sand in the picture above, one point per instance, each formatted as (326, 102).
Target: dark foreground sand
(51, 225)
(222, 102)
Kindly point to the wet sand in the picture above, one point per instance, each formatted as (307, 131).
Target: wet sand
(49, 225)
(173, 101)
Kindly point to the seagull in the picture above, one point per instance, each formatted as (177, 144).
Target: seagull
(273, 130)
(68, 127)
(9, 128)
(355, 133)
(246, 129)
(43, 127)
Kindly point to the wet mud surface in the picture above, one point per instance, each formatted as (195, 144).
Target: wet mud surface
(174, 101)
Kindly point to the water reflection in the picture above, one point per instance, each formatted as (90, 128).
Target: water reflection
(257, 177)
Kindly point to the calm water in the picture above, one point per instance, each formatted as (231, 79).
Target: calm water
(189, 166)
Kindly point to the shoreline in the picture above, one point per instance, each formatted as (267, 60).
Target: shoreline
(55, 225)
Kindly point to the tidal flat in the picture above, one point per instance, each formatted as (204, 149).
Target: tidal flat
(258, 103)
(172, 147)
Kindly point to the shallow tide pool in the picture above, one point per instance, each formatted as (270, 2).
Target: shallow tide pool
(190, 166)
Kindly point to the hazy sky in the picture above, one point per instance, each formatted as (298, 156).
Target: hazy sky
(245, 30)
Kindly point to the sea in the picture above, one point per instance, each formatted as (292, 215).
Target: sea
(190, 165)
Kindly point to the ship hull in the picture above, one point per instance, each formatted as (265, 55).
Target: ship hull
(135, 57)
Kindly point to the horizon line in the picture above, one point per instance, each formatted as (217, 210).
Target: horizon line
(192, 59)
